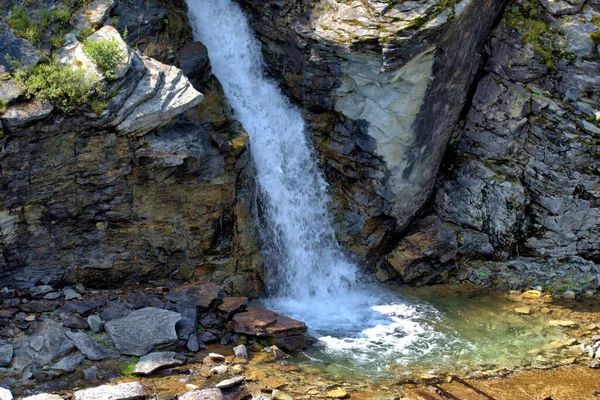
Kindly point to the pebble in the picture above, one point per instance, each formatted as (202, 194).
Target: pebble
(214, 357)
(569, 295)
(96, 324)
(337, 394)
(219, 369)
(523, 310)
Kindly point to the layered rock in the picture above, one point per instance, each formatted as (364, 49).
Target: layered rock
(157, 185)
(380, 85)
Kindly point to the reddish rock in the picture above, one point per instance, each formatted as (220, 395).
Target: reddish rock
(261, 322)
(38, 306)
(232, 305)
(201, 294)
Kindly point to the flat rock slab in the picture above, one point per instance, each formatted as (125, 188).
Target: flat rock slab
(142, 330)
(44, 396)
(232, 305)
(123, 391)
(204, 394)
(156, 361)
(231, 382)
(46, 346)
(70, 362)
(201, 294)
(261, 322)
(88, 346)
(39, 306)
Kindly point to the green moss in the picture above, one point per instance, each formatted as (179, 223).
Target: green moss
(98, 106)
(106, 54)
(595, 36)
(3, 105)
(127, 370)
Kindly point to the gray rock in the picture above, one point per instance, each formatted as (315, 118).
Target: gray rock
(141, 331)
(123, 391)
(5, 394)
(43, 396)
(95, 323)
(71, 294)
(110, 33)
(70, 362)
(562, 7)
(241, 351)
(53, 296)
(46, 346)
(91, 374)
(74, 321)
(203, 394)
(193, 344)
(231, 382)
(156, 361)
(88, 346)
(207, 337)
(16, 48)
(6, 354)
(19, 115)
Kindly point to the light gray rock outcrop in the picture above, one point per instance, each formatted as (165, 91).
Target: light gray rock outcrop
(156, 361)
(123, 391)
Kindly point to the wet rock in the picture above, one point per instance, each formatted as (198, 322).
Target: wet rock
(226, 339)
(156, 361)
(194, 62)
(279, 395)
(204, 394)
(337, 394)
(594, 365)
(236, 393)
(88, 346)
(293, 343)
(203, 295)
(79, 288)
(277, 353)
(213, 358)
(141, 331)
(39, 306)
(5, 394)
(232, 305)
(95, 323)
(75, 321)
(123, 391)
(70, 362)
(241, 351)
(6, 354)
(261, 322)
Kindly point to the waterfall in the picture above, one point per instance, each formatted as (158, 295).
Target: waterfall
(313, 280)
(309, 261)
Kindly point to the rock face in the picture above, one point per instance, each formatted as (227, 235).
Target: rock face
(379, 85)
(146, 189)
(141, 331)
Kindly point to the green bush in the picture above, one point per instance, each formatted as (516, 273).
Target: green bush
(595, 36)
(62, 85)
(106, 54)
(24, 26)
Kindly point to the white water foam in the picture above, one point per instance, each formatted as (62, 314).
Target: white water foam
(314, 281)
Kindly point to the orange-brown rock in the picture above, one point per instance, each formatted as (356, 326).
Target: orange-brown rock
(232, 305)
(261, 322)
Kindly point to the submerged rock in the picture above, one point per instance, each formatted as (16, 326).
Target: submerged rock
(141, 331)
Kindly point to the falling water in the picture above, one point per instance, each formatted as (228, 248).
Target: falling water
(314, 282)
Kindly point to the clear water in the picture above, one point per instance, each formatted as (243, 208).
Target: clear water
(359, 324)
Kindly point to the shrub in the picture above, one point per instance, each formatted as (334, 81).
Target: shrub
(106, 54)
(62, 85)
(23, 25)
(98, 106)
(595, 36)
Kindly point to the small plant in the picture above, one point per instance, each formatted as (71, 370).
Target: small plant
(106, 54)
(595, 36)
(98, 106)
(62, 85)
(23, 25)
(127, 370)
(3, 105)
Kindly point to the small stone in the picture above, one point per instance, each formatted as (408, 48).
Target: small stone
(537, 288)
(569, 295)
(71, 294)
(156, 361)
(75, 321)
(277, 353)
(53, 296)
(594, 365)
(279, 395)
(5, 394)
(214, 358)
(337, 394)
(562, 323)
(523, 310)
(218, 369)
(123, 391)
(589, 293)
(193, 344)
(241, 352)
(207, 337)
(95, 323)
(231, 382)
(79, 288)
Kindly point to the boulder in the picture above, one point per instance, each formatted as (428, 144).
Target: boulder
(123, 391)
(15, 48)
(262, 322)
(70, 362)
(141, 331)
(88, 346)
(156, 361)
